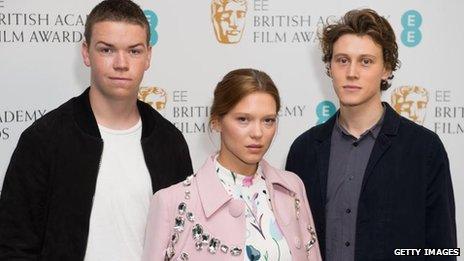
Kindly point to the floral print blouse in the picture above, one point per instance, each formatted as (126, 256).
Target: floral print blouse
(264, 240)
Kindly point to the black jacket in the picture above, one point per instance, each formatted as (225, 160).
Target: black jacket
(50, 182)
(406, 198)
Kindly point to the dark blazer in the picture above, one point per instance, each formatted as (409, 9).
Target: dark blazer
(406, 198)
(50, 182)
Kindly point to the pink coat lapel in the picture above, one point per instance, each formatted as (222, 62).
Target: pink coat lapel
(212, 193)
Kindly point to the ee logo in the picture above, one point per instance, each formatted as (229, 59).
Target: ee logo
(153, 22)
(411, 35)
(324, 111)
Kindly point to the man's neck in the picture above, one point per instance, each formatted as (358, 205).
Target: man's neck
(358, 119)
(113, 114)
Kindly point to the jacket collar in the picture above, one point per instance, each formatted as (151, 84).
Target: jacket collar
(324, 131)
(274, 177)
(85, 119)
(382, 143)
(212, 193)
(390, 124)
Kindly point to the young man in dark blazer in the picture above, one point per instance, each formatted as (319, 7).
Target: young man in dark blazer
(79, 184)
(376, 181)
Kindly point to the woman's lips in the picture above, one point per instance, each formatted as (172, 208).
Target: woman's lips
(254, 147)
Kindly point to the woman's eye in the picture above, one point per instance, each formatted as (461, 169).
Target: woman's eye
(242, 119)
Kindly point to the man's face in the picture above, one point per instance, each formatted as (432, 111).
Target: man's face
(229, 21)
(357, 68)
(411, 102)
(118, 56)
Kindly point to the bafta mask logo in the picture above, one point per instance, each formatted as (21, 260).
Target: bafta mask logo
(411, 102)
(228, 18)
(154, 96)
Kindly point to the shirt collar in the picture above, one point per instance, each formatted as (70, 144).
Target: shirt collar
(374, 130)
(231, 178)
(212, 193)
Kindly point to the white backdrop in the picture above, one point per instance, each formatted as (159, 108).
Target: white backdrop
(41, 67)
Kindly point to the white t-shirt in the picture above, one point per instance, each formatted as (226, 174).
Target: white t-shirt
(121, 200)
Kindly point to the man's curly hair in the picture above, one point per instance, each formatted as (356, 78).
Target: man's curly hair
(363, 22)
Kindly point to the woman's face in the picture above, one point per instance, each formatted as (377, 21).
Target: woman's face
(246, 132)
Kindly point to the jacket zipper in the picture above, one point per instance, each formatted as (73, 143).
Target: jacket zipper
(93, 198)
(98, 171)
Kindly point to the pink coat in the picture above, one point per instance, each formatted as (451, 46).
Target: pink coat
(222, 217)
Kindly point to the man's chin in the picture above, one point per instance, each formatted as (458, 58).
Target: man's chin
(350, 103)
(123, 94)
(358, 101)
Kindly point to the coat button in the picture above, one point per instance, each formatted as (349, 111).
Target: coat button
(297, 242)
(236, 208)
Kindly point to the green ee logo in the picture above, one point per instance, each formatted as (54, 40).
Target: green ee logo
(153, 22)
(324, 111)
(411, 35)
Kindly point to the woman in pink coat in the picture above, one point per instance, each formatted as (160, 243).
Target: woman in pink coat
(237, 206)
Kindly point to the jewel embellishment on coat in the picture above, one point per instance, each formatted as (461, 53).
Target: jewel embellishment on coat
(170, 252)
(175, 238)
(235, 251)
(224, 249)
(182, 208)
(187, 182)
(197, 231)
(214, 245)
(187, 194)
(312, 241)
(201, 237)
(184, 256)
(190, 216)
(205, 239)
(198, 246)
(297, 208)
(179, 224)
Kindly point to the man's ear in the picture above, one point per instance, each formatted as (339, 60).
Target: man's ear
(386, 74)
(149, 52)
(85, 53)
(329, 69)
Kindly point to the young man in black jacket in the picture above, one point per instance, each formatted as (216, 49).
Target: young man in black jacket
(79, 183)
(376, 181)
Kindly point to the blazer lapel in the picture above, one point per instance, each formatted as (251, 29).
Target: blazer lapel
(381, 146)
(383, 142)
(323, 138)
